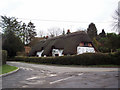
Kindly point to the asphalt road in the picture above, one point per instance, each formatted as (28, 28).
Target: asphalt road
(47, 76)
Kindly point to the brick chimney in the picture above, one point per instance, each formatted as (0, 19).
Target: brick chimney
(68, 31)
(46, 37)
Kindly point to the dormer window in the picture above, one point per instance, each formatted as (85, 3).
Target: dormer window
(85, 45)
(81, 44)
(89, 45)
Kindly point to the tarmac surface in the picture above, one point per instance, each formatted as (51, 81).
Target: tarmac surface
(48, 76)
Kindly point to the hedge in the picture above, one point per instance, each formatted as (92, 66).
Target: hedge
(83, 59)
(4, 57)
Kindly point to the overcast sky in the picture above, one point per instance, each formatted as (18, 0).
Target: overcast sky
(67, 14)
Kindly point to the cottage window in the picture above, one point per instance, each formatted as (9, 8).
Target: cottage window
(81, 44)
(89, 44)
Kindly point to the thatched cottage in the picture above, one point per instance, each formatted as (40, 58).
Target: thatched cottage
(69, 44)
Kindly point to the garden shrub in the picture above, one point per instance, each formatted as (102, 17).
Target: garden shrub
(82, 59)
(4, 56)
(21, 54)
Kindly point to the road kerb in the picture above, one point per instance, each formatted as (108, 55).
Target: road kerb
(9, 73)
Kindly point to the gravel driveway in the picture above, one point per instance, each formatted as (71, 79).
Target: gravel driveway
(47, 76)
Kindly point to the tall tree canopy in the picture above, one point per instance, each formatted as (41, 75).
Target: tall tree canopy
(25, 32)
(10, 24)
(109, 43)
(12, 44)
(30, 32)
(15, 34)
(102, 34)
(92, 30)
(11, 30)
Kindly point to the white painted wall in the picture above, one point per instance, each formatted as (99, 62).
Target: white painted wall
(57, 51)
(81, 50)
(39, 53)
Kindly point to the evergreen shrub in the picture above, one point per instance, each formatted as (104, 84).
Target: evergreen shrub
(4, 57)
(82, 59)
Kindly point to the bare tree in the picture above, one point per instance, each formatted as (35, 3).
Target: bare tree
(55, 31)
(41, 33)
(117, 20)
(81, 29)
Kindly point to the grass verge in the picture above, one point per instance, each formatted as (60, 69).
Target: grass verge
(7, 68)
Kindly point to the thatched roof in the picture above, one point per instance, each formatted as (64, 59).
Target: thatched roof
(68, 43)
(35, 40)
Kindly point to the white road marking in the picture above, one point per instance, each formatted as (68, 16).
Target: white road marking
(26, 68)
(42, 71)
(61, 80)
(24, 86)
(80, 74)
(64, 79)
(52, 75)
(37, 82)
(31, 78)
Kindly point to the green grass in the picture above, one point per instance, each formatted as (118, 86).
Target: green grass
(7, 68)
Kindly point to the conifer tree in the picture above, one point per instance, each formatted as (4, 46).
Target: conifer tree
(92, 31)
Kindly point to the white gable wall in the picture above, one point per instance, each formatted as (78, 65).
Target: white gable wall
(39, 53)
(57, 51)
(81, 50)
